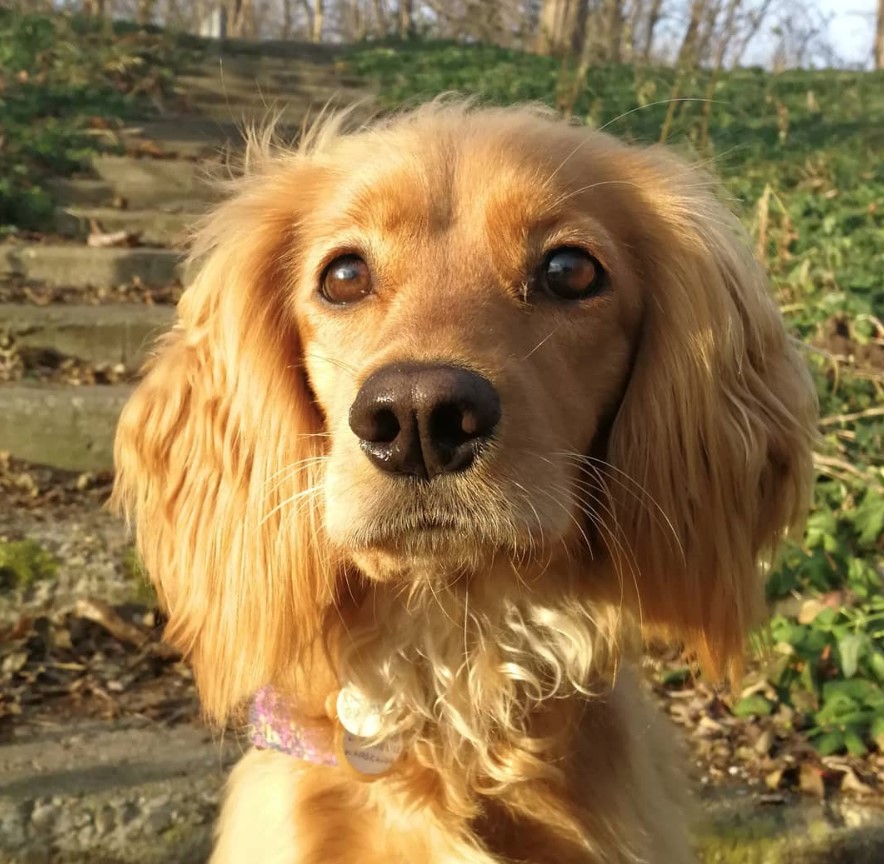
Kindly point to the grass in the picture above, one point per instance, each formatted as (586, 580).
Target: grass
(802, 156)
(66, 82)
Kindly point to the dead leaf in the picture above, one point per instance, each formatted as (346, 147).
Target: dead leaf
(809, 610)
(810, 780)
(100, 240)
(765, 742)
(774, 779)
(851, 783)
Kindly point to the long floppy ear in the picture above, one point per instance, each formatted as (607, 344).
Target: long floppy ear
(717, 421)
(216, 455)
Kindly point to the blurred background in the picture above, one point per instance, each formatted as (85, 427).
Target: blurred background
(113, 113)
(774, 33)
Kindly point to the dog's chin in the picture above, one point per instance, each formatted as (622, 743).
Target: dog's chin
(424, 554)
(433, 551)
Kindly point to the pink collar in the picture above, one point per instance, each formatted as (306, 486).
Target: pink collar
(271, 728)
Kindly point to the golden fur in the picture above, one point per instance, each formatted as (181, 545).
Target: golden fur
(654, 444)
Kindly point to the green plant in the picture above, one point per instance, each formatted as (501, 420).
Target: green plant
(65, 82)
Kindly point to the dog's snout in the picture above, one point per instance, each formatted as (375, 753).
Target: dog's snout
(422, 420)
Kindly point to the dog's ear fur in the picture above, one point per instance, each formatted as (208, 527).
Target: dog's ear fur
(216, 455)
(717, 422)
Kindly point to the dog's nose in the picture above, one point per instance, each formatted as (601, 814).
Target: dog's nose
(422, 420)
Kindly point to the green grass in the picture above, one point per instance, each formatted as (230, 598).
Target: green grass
(65, 83)
(802, 155)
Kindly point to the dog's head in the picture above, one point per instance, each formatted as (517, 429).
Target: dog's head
(460, 337)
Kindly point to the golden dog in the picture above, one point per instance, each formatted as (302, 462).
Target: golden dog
(458, 407)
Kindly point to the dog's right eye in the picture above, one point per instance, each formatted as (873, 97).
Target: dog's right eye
(346, 280)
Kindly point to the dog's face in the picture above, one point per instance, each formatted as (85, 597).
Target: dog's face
(468, 316)
(461, 337)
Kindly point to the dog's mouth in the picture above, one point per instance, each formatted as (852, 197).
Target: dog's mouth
(414, 531)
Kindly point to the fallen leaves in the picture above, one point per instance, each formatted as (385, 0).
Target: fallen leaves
(20, 362)
(93, 660)
(16, 290)
(752, 738)
(34, 487)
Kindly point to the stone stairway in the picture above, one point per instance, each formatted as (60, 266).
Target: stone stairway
(153, 195)
(113, 791)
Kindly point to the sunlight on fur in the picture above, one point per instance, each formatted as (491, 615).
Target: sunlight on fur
(459, 407)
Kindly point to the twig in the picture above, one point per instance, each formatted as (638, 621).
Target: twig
(123, 631)
(837, 467)
(849, 418)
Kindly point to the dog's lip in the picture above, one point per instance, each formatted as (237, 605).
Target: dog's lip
(386, 535)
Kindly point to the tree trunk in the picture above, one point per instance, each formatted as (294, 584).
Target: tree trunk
(145, 11)
(94, 7)
(614, 20)
(379, 17)
(687, 54)
(318, 19)
(562, 26)
(406, 19)
(879, 37)
(654, 14)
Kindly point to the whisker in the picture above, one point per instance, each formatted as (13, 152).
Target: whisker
(620, 117)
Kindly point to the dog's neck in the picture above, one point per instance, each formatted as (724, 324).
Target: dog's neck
(467, 673)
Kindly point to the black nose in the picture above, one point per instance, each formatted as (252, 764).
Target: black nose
(424, 420)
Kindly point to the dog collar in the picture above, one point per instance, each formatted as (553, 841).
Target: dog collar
(271, 728)
(356, 721)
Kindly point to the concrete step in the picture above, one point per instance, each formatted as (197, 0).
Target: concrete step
(134, 792)
(145, 182)
(70, 266)
(242, 88)
(158, 227)
(227, 76)
(255, 110)
(85, 192)
(272, 51)
(65, 427)
(186, 135)
(220, 127)
(98, 334)
(122, 792)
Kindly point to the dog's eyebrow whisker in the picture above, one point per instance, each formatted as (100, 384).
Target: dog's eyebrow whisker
(567, 196)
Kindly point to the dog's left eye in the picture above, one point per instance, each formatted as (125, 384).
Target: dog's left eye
(346, 280)
(572, 274)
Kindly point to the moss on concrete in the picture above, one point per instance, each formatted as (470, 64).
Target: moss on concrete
(22, 563)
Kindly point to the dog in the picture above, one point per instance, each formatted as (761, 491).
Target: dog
(461, 407)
